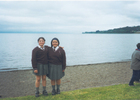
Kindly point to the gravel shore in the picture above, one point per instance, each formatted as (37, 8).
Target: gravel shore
(22, 83)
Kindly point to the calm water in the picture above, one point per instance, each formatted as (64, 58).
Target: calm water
(16, 49)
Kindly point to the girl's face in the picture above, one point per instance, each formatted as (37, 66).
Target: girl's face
(55, 43)
(41, 42)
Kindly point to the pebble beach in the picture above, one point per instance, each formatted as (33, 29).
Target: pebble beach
(22, 82)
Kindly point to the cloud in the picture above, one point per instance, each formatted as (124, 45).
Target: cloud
(68, 16)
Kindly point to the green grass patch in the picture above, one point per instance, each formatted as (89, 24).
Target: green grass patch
(115, 92)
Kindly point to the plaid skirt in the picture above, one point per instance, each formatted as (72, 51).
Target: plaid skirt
(42, 69)
(55, 72)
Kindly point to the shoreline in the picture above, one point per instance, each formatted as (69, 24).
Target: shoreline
(22, 82)
(6, 69)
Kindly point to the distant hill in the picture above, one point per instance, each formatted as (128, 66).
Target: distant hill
(127, 29)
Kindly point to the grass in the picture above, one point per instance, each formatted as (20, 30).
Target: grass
(115, 92)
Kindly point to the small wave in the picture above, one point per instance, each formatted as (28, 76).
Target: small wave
(9, 69)
(14, 69)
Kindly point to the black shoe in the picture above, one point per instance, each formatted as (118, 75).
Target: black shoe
(45, 93)
(37, 94)
(53, 92)
(58, 91)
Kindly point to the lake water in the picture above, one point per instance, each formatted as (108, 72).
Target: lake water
(16, 49)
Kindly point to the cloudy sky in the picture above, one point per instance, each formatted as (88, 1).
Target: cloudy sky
(67, 16)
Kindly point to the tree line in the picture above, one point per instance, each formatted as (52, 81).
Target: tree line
(126, 29)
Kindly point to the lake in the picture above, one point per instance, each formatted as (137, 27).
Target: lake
(16, 49)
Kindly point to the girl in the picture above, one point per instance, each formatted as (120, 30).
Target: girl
(40, 65)
(57, 65)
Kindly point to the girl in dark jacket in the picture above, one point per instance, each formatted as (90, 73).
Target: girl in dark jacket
(57, 65)
(40, 65)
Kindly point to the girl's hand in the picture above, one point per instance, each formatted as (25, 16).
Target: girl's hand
(63, 70)
(35, 71)
(61, 47)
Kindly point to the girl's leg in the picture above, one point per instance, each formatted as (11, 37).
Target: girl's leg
(44, 80)
(58, 86)
(53, 86)
(58, 82)
(52, 82)
(44, 85)
(37, 84)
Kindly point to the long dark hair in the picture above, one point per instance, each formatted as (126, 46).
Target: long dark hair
(55, 39)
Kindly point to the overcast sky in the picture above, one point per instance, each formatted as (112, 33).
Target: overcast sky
(67, 16)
